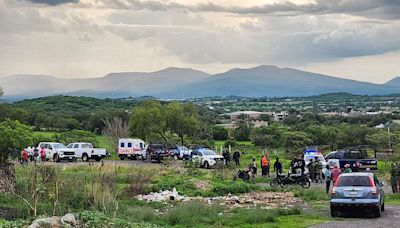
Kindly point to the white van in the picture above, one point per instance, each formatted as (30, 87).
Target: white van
(131, 148)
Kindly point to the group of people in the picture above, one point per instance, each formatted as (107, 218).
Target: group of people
(227, 157)
(33, 154)
(315, 168)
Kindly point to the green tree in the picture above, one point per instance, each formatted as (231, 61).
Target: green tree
(296, 141)
(333, 135)
(220, 133)
(242, 132)
(383, 140)
(14, 136)
(148, 119)
(181, 119)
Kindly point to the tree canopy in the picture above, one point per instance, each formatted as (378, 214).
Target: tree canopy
(14, 137)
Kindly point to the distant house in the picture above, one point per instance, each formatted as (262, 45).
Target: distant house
(255, 116)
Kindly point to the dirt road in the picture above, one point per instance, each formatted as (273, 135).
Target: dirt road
(390, 218)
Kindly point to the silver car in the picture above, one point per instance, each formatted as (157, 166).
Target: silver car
(358, 191)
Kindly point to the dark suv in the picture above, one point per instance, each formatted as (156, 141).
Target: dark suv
(155, 152)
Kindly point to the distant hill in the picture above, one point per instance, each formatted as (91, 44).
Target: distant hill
(272, 81)
(394, 82)
(262, 81)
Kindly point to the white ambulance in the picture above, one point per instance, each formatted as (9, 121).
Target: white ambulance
(131, 148)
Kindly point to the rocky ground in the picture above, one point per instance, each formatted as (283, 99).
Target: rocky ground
(266, 200)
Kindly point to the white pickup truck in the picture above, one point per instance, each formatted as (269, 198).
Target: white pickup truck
(85, 151)
(57, 151)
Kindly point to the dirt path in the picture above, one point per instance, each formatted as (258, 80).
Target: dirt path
(390, 218)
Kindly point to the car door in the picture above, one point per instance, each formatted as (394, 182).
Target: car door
(49, 149)
(78, 151)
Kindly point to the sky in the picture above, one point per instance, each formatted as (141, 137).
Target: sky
(355, 39)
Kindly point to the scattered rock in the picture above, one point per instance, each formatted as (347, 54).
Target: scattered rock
(161, 196)
(53, 222)
(267, 200)
(69, 219)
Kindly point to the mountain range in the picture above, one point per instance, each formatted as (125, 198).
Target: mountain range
(261, 81)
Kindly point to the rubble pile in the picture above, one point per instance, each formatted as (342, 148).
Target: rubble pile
(266, 200)
(161, 196)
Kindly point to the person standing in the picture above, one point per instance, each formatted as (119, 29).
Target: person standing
(264, 163)
(254, 167)
(335, 174)
(43, 154)
(311, 169)
(394, 177)
(318, 170)
(268, 165)
(347, 168)
(36, 154)
(236, 158)
(278, 167)
(327, 178)
(24, 156)
(293, 165)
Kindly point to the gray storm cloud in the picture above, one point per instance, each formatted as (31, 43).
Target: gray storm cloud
(382, 9)
(53, 2)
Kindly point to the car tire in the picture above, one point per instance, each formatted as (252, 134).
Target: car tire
(85, 158)
(378, 212)
(206, 165)
(176, 157)
(383, 207)
(122, 158)
(334, 213)
(98, 159)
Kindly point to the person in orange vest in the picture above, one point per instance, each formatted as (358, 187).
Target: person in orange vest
(43, 154)
(264, 165)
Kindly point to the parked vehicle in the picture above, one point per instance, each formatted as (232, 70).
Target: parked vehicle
(302, 180)
(57, 151)
(131, 148)
(85, 151)
(156, 152)
(355, 158)
(206, 158)
(179, 152)
(358, 191)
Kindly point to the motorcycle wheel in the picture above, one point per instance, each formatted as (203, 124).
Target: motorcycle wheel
(274, 183)
(305, 184)
(283, 184)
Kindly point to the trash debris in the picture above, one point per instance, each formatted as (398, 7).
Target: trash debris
(267, 200)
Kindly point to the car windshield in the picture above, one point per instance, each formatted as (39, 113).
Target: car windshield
(354, 181)
(208, 152)
(59, 145)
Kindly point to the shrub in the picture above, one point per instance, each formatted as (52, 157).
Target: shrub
(138, 183)
(192, 214)
(224, 188)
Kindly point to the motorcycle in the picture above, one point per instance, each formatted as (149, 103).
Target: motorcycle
(302, 180)
(242, 174)
(277, 180)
